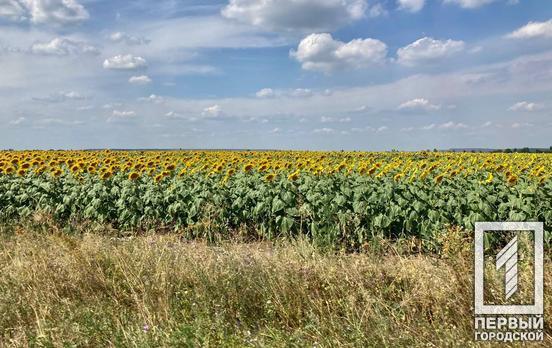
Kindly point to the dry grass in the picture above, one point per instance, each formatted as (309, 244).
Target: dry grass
(94, 291)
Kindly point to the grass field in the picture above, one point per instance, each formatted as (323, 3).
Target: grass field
(89, 289)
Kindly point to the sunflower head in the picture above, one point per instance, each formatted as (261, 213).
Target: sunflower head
(294, 176)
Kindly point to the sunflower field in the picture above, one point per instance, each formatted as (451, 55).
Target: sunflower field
(342, 198)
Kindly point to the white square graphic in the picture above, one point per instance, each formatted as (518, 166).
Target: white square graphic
(537, 308)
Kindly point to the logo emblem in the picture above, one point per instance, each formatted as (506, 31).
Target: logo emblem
(508, 258)
(510, 321)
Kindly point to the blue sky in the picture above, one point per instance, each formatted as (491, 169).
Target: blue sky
(279, 74)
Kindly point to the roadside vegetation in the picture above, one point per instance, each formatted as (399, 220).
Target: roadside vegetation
(88, 288)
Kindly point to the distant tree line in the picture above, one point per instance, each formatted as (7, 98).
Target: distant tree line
(527, 150)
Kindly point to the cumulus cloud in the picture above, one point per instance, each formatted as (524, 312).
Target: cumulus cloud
(63, 47)
(18, 121)
(452, 125)
(212, 111)
(320, 52)
(123, 113)
(125, 62)
(533, 30)
(428, 49)
(521, 125)
(57, 122)
(326, 119)
(44, 11)
(525, 106)
(301, 93)
(60, 97)
(140, 80)
(448, 125)
(419, 104)
(411, 5)
(469, 3)
(268, 93)
(265, 93)
(152, 99)
(128, 39)
(324, 130)
(293, 15)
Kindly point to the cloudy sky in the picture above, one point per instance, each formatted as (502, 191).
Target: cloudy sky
(286, 74)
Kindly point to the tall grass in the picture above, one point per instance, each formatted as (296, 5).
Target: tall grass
(92, 290)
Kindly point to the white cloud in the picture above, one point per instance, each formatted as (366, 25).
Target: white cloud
(419, 104)
(320, 52)
(377, 10)
(44, 11)
(265, 93)
(469, 3)
(128, 39)
(85, 108)
(369, 129)
(533, 30)
(452, 125)
(428, 49)
(411, 5)
(63, 47)
(324, 130)
(301, 93)
(325, 119)
(447, 125)
(123, 113)
(13, 10)
(18, 121)
(212, 111)
(140, 80)
(60, 97)
(521, 125)
(293, 15)
(268, 93)
(124, 62)
(56, 122)
(152, 99)
(525, 106)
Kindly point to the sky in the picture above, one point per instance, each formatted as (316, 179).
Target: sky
(275, 74)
